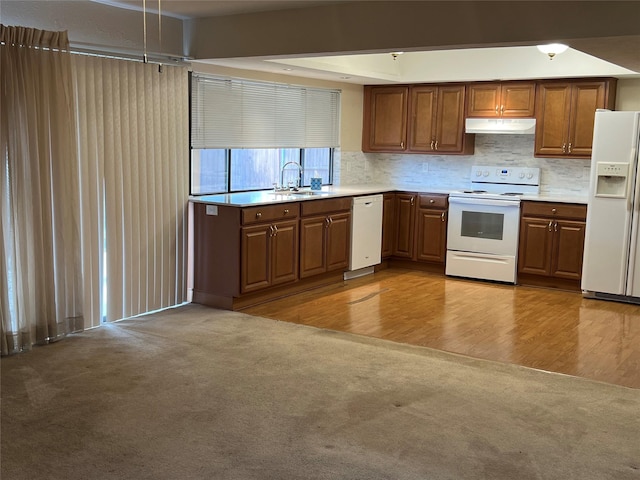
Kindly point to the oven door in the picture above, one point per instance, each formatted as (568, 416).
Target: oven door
(483, 225)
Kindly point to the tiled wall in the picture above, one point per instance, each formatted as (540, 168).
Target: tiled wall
(558, 176)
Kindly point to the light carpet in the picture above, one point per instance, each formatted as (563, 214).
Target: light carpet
(199, 393)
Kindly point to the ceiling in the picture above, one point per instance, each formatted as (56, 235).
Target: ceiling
(186, 9)
(504, 63)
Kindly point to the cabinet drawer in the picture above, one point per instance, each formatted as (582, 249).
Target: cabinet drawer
(269, 213)
(315, 207)
(559, 210)
(433, 201)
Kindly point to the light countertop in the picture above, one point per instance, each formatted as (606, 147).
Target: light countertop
(266, 197)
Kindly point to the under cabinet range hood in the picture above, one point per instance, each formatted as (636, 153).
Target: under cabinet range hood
(522, 126)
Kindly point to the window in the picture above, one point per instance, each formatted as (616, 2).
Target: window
(243, 133)
(236, 170)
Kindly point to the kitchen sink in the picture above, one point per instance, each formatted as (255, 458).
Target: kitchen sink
(299, 193)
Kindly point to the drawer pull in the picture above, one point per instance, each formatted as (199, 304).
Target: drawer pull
(432, 201)
(258, 215)
(286, 211)
(442, 216)
(554, 210)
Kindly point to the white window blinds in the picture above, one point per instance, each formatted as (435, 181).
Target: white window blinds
(234, 113)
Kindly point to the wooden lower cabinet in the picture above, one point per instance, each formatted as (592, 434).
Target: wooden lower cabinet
(420, 227)
(404, 225)
(551, 244)
(325, 236)
(431, 245)
(388, 205)
(269, 255)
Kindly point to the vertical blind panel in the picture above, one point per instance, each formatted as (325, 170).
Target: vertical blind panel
(134, 144)
(231, 113)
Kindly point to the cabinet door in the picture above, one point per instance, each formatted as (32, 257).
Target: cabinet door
(553, 105)
(404, 225)
(284, 252)
(422, 118)
(586, 98)
(484, 100)
(517, 99)
(338, 241)
(313, 246)
(255, 258)
(568, 248)
(385, 119)
(534, 252)
(432, 235)
(387, 224)
(450, 119)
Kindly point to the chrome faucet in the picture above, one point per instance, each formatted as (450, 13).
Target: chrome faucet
(282, 187)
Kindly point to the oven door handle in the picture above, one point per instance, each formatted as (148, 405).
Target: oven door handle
(483, 201)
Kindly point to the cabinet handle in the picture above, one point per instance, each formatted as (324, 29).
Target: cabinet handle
(442, 216)
(501, 110)
(275, 230)
(436, 144)
(432, 201)
(412, 201)
(550, 225)
(554, 210)
(271, 230)
(286, 211)
(569, 148)
(497, 110)
(555, 227)
(564, 148)
(432, 145)
(258, 215)
(401, 144)
(326, 222)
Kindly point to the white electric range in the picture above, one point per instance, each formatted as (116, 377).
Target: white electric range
(484, 221)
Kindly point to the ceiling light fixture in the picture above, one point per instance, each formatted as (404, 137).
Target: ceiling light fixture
(552, 49)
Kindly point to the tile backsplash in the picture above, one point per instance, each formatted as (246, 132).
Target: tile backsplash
(557, 176)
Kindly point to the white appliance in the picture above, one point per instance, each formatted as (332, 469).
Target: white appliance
(484, 222)
(611, 262)
(366, 235)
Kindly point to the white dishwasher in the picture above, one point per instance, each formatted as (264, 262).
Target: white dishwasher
(366, 235)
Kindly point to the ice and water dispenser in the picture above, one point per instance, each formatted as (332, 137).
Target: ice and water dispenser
(611, 179)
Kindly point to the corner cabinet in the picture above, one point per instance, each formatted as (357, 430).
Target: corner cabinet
(565, 114)
(415, 119)
(325, 236)
(419, 228)
(551, 244)
(501, 100)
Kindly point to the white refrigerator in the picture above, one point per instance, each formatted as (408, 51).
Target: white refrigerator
(611, 263)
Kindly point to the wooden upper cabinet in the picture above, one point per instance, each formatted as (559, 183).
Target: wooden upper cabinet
(450, 119)
(565, 113)
(501, 100)
(415, 119)
(422, 112)
(385, 119)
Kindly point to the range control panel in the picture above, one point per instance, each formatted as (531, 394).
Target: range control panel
(505, 175)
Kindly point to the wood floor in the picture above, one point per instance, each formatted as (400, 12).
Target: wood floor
(545, 329)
